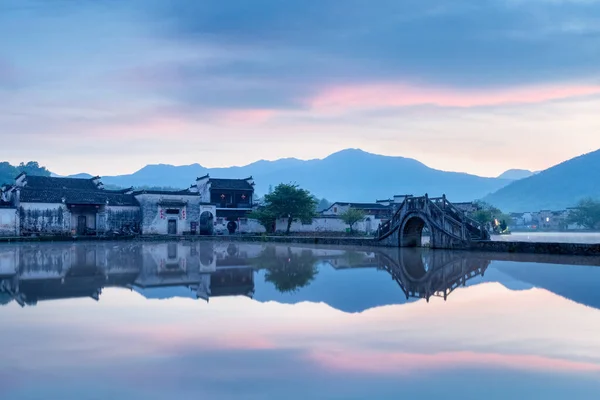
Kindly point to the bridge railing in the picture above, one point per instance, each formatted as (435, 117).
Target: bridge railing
(442, 213)
(388, 226)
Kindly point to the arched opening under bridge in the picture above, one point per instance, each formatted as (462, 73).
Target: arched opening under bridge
(415, 233)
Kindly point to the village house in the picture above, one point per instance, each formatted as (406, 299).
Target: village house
(74, 206)
(234, 200)
(553, 220)
(376, 210)
(70, 206)
(9, 217)
(175, 212)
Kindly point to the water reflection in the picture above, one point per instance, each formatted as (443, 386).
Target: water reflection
(294, 322)
(36, 272)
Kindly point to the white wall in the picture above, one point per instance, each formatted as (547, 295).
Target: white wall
(9, 222)
(49, 225)
(330, 225)
(155, 223)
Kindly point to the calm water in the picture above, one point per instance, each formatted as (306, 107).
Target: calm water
(252, 321)
(551, 237)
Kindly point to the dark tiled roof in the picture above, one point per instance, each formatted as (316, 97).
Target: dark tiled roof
(46, 182)
(361, 205)
(74, 196)
(230, 184)
(185, 192)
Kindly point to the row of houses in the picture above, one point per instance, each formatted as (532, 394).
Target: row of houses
(544, 220)
(72, 206)
(33, 273)
(38, 205)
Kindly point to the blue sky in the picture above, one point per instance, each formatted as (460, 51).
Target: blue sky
(467, 86)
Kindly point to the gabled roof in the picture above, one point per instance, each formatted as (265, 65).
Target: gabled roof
(364, 206)
(47, 182)
(230, 184)
(74, 196)
(185, 192)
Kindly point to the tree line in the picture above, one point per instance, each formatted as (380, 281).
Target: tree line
(8, 172)
(293, 204)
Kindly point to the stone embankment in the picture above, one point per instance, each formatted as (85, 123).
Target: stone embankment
(570, 249)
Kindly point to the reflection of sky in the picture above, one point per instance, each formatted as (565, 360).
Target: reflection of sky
(344, 290)
(485, 341)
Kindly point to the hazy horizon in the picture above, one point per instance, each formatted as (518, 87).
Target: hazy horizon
(479, 88)
(83, 170)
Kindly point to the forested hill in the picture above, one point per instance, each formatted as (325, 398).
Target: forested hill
(9, 172)
(556, 188)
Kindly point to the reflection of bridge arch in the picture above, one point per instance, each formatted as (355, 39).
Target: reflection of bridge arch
(412, 228)
(423, 273)
(449, 227)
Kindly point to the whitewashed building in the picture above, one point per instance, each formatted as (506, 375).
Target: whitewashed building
(52, 205)
(175, 213)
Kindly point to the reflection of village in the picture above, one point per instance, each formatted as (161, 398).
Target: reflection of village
(36, 272)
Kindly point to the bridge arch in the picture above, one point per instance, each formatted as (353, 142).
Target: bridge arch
(411, 230)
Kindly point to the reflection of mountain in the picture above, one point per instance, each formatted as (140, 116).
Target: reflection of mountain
(348, 280)
(579, 283)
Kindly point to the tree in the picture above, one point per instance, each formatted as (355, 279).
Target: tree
(33, 168)
(586, 214)
(488, 214)
(351, 216)
(323, 204)
(288, 272)
(291, 202)
(265, 217)
(8, 173)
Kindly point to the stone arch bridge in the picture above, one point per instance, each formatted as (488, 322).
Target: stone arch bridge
(449, 227)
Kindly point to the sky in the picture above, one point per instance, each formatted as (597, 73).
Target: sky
(106, 87)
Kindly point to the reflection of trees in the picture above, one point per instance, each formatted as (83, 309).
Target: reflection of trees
(288, 272)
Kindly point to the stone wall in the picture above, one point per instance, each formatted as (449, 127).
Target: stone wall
(573, 249)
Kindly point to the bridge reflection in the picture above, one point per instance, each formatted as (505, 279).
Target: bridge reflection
(423, 274)
(30, 273)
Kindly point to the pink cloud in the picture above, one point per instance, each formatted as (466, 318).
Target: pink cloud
(398, 363)
(249, 116)
(399, 95)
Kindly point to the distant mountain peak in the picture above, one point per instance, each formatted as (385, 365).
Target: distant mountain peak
(516, 174)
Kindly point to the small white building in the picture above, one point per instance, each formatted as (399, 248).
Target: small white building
(175, 213)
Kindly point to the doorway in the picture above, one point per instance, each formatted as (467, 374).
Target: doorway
(172, 227)
(81, 224)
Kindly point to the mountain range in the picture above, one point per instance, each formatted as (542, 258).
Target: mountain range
(348, 175)
(357, 176)
(556, 188)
